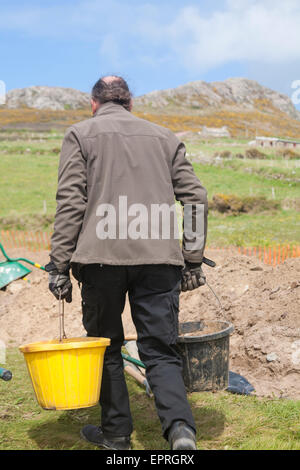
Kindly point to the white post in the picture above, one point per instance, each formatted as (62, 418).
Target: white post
(2, 352)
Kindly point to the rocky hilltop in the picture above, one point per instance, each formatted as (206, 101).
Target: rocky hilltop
(44, 97)
(194, 98)
(235, 94)
(237, 107)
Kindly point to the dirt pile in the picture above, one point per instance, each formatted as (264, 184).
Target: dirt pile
(262, 302)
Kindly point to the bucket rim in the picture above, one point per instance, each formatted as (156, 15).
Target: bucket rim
(229, 328)
(66, 344)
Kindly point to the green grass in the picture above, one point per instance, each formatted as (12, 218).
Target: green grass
(224, 421)
(25, 182)
(211, 147)
(28, 177)
(288, 170)
(229, 181)
(265, 229)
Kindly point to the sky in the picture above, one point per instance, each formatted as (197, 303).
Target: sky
(154, 44)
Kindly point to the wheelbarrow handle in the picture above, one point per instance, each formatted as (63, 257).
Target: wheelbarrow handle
(133, 360)
(36, 265)
(5, 374)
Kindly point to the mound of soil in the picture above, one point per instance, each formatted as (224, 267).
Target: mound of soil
(261, 301)
(263, 304)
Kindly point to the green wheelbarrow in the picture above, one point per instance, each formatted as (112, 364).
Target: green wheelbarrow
(11, 269)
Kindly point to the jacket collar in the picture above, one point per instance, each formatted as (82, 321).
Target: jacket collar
(109, 108)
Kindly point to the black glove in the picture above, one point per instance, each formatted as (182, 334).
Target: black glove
(192, 276)
(59, 283)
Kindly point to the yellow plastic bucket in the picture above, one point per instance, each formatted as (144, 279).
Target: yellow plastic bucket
(66, 374)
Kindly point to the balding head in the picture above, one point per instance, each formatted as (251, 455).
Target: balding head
(110, 78)
(111, 88)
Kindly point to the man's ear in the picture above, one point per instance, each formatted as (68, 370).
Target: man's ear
(95, 105)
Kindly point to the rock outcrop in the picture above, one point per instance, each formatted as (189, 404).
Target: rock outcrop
(194, 98)
(43, 97)
(234, 93)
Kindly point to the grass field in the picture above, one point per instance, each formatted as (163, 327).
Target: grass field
(224, 421)
(28, 179)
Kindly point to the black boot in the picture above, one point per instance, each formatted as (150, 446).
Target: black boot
(94, 435)
(181, 437)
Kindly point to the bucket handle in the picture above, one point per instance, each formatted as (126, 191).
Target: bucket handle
(61, 308)
(216, 296)
(212, 264)
(221, 309)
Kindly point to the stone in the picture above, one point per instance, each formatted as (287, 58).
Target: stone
(16, 286)
(295, 284)
(272, 357)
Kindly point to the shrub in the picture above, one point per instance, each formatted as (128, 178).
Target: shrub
(224, 154)
(27, 222)
(255, 154)
(294, 204)
(289, 154)
(233, 205)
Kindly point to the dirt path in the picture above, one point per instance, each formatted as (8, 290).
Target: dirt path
(262, 302)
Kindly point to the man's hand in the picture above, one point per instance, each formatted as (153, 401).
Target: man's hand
(59, 283)
(192, 276)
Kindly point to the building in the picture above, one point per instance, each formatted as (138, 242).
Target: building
(277, 143)
(216, 132)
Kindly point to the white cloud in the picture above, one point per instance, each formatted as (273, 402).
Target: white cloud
(261, 31)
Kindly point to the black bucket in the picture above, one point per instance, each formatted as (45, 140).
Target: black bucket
(205, 356)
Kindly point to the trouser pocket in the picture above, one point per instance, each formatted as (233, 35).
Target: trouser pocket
(90, 318)
(77, 271)
(174, 318)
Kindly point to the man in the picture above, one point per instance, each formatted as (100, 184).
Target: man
(116, 173)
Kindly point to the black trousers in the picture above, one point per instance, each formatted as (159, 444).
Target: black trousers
(153, 292)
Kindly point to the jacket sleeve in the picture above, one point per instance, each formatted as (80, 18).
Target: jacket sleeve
(193, 197)
(71, 198)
